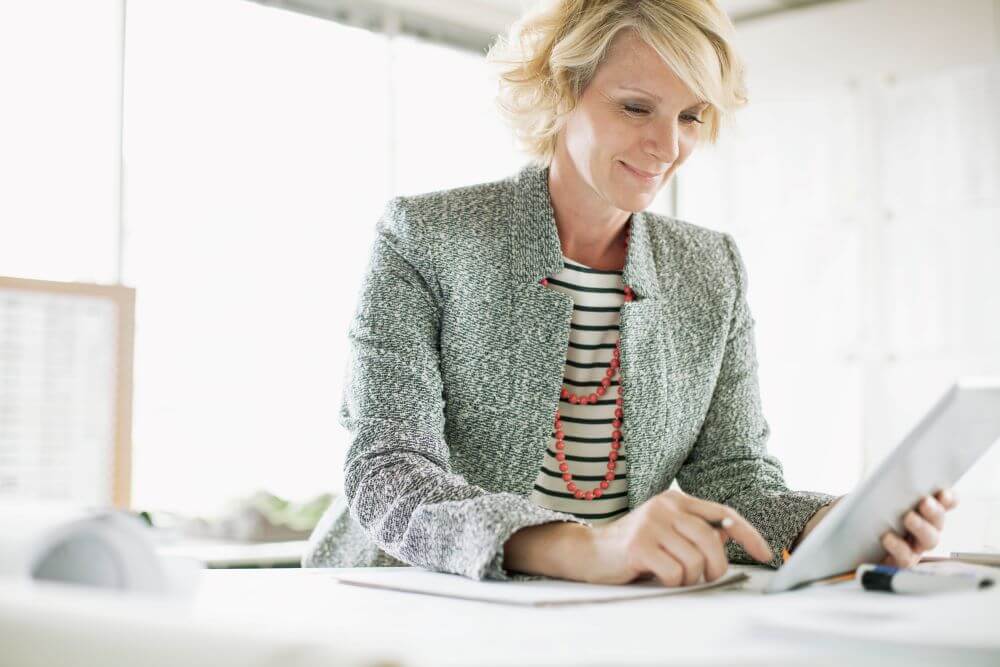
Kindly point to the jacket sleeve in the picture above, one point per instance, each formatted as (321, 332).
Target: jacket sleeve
(729, 462)
(398, 482)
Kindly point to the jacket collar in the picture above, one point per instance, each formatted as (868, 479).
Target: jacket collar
(535, 248)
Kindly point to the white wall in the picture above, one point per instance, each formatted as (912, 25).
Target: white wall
(863, 186)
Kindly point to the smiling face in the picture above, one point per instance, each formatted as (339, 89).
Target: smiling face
(636, 115)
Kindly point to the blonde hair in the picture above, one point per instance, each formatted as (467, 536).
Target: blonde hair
(551, 54)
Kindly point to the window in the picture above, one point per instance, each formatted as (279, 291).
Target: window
(260, 156)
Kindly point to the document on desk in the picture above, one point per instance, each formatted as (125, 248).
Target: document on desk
(535, 593)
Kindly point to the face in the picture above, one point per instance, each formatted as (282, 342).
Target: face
(634, 116)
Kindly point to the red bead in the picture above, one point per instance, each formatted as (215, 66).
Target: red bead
(619, 413)
(598, 493)
(544, 281)
(614, 364)
(563, 467)
(561, 456)
(616, 434)
(610, 370)
(616, 423)
(572, 487)
(589, 495)
(617, 352)
(574, 399)
(613, 455)
(605, 484)
(612, 465)
(605, 382)
(560, 434)
(578, 494)
(610, 475)
(560, 445)
(567, 477)
(615, 446)
(564, 393)
(600, 391)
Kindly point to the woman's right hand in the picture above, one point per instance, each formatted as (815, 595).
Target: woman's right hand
(669, 538)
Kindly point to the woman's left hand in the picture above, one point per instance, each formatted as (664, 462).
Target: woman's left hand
(923, 530)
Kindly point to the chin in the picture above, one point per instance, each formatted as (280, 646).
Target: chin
(634, 201)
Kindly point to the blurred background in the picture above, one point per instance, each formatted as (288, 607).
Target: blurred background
(189, 189)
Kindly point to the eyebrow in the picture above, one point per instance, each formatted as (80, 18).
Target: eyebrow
(657, 97)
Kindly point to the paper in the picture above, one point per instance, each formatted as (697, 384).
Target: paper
(543, 592)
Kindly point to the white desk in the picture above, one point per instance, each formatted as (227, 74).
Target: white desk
(735, 626)
(304, 618)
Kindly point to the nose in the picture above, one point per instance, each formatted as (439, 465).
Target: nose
(663, 142)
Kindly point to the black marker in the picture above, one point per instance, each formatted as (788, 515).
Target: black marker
(904, 580)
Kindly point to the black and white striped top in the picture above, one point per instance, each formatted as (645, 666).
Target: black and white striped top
(597, 296)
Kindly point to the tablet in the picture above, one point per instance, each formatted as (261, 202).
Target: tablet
(956, 432)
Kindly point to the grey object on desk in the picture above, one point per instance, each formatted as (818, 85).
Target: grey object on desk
(951, 437)
(95, 547)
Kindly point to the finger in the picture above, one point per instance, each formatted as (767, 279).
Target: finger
(932, 511)
(663, 566)
(741, 530)
(926, 535)
(898, 549)
(690, 558)
(947, 498)
(705, 539)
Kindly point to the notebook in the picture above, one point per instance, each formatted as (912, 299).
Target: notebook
(535, 592)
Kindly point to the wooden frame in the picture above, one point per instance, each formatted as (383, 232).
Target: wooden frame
(124, 300)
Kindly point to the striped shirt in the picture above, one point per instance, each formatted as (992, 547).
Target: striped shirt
(597, 298)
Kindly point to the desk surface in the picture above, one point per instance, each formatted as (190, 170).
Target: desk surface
(306, 618)
(736, 625)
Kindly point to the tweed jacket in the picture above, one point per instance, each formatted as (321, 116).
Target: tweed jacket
(456, 365)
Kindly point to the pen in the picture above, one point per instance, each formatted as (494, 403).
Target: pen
(908, 580)
(983, 558)
(832, 579)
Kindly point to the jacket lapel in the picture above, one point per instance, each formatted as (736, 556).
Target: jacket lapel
(645, 331)
(540, 317)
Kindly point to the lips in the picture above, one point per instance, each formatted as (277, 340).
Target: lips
(640, 172)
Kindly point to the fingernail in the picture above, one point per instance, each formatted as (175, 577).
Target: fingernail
(727, 522)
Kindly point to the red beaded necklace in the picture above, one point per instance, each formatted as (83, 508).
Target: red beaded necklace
(616, 434)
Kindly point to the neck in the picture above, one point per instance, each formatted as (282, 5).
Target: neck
(591, 230)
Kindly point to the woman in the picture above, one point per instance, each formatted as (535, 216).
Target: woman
(534, 360)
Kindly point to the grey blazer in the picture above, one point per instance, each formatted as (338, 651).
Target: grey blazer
(456, 365)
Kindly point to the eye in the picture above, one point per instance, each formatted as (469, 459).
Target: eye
(693, 119)
(634, 110)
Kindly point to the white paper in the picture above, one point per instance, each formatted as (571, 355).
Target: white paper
(544, 592)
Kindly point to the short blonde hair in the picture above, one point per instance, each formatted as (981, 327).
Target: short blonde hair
(550, 55)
